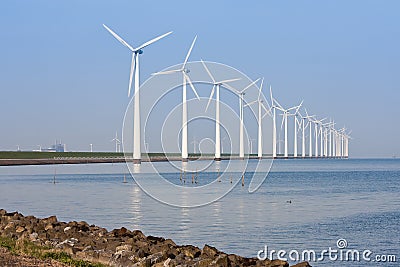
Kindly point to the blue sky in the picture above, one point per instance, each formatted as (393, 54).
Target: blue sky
(63, 76)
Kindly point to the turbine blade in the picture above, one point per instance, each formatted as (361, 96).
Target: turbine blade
(251, 84)
(208, 71)
(190, 51)
(231, 88)
(133, 64)
(299, 106)
(122, 41)
(270, 94)
(166, 72)
(267, 111)
(283, 121)
(251, 103)
(230, 80)
(152, 41)
(191, 85)
(279, 105)
(259, 93)
(211, 95)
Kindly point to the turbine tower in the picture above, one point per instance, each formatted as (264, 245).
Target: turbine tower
(186, 80)
(273, 107)
(304, 125)
(216, 89)
(295, 130)
(310, 121)
(135, 71)
(318, 133)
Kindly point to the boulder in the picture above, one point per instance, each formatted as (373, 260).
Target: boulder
(19, 229)
(209, 252)
(51, 219)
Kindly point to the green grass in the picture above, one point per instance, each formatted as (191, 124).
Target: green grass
(8, 243)
(51, 155)
(41, 252)
(67, 259)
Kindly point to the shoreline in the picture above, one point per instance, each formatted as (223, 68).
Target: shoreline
(80, 242)
(71, 160)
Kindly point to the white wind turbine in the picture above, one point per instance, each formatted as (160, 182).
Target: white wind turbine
(318, 133)
(186, 80)
(330, 146)
(135, 71)
(286, 113)
(303, 124)
(310, 121)
(346, 143)
(241, 115)
(343, 142)
(117, 142)
(216, 89)
(261, 106)
(273, 107)
(327, 127)
(295, 130)
(321, 132)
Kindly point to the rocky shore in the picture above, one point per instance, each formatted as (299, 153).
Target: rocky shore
(48, 242)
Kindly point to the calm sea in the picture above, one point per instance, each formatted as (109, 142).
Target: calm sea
(302, 205)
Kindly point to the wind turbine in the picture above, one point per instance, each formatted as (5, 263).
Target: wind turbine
(117, 141)
(310, 121)
(330, 138)
(346, 143)
(303, 129)
(317, 133)
(135, 71)
(186, 80)
(286, 113)
(260, 117)
(241, 115)
(343, 136)
(295, 130)
(321, 132)
(327, 129)
(273, 107)
(216, 89)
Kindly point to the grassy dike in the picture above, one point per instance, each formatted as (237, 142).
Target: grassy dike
(51, 155)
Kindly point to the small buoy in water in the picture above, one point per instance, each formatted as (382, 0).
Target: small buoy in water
(124, 179)
(231, 179)
(243, 180)
(54, 178)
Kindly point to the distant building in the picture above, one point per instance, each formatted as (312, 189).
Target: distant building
(58, 147)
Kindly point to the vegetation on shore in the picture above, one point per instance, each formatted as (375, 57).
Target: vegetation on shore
(28, 248)
(52, 155)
